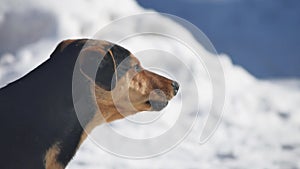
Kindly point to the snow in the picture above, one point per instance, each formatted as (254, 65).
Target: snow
(261, 119)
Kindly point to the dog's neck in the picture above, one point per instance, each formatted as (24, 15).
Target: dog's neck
(91, 110)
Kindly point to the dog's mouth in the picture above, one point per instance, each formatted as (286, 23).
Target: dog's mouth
(156, 105)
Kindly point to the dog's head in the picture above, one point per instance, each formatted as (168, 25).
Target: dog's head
(122, 86)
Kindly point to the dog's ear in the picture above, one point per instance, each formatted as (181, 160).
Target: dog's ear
(100, 62)
(99, 66)
(105, 74)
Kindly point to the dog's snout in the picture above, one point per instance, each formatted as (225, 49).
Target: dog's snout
(175, 86)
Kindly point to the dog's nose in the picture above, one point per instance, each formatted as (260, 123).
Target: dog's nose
(175, 86)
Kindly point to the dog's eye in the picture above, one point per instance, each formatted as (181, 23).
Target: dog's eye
(137, 68)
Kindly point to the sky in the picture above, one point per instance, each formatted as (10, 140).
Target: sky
(262, 36)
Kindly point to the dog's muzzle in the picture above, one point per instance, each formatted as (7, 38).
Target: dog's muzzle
(158, 105)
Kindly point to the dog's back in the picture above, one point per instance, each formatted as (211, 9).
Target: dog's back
(31, 117)
(20, 125)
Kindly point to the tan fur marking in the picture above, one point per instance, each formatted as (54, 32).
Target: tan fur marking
(64, 44)
(51, 158)
(115, 64)
(97, 120)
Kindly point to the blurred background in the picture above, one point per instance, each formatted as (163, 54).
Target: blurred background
(261, 36)
(258, 44)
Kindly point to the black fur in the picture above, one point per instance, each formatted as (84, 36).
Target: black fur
(38, 111)
(106, 68)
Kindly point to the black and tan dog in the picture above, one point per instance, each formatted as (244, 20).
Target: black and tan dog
(39, 120)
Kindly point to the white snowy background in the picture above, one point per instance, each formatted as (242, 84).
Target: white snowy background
(260, 127)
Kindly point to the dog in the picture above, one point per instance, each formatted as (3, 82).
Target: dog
(48, 113)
